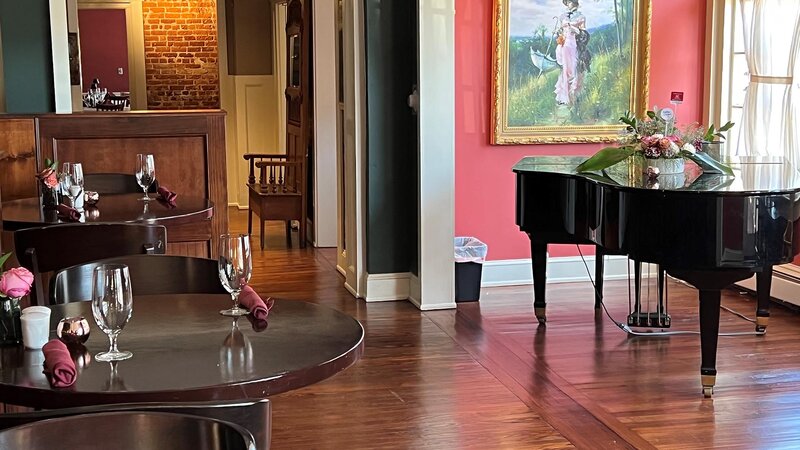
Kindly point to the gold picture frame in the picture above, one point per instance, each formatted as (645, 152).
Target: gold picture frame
(578, 108)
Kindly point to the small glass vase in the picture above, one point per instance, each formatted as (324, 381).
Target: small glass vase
(665, 166)
(49, 197)
(713, 149)
(10, 325)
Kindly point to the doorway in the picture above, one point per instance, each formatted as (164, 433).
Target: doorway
(103, 27)
(104, 49)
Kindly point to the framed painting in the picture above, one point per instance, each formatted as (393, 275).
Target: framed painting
(566, 70)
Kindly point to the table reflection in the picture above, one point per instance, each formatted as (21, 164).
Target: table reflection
(235, 354)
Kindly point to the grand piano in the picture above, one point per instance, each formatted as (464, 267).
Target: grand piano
(710, 230)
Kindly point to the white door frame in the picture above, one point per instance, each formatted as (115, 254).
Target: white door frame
(325, 118)
(352, 260)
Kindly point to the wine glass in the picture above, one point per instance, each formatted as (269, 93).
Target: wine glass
(145, 172)
(65, 182)
(112, 306)
(76, 188)
(235, 267)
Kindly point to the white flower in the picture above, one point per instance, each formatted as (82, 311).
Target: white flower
(689, 148)
(674, 148)
(658, 136)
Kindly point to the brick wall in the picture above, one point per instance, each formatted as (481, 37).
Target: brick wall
(180, 52)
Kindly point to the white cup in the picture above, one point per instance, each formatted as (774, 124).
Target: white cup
(35, 326)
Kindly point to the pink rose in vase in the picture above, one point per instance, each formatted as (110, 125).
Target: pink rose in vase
(16, 282)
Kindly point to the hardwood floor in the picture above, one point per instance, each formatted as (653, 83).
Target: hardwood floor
(485, 376)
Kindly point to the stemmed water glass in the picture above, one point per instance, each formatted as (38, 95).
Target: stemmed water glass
(145, 172)
(112, 306)
(76, 188)
(67, 183)
(235, 267)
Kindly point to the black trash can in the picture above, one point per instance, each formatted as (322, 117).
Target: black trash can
(470, 253)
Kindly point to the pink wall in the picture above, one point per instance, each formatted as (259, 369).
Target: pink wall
(484, 181)
(104, 48)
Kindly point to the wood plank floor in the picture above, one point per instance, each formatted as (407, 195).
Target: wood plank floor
(485, 376)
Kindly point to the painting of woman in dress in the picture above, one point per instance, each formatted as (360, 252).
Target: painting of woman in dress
(569, 63)
(571, 52)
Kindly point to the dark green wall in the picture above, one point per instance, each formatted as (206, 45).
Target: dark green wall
(27, 56)
(391, 60)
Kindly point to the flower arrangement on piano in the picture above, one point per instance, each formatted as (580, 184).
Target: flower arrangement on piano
(663, 146)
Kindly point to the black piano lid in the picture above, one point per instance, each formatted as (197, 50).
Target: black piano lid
(753, 175)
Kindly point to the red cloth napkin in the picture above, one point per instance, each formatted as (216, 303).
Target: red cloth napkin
(58, 364)
(68, 213)
(258, 325)
(167, 195)
(252, 302)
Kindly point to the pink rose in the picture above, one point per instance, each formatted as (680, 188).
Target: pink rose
(16, 282)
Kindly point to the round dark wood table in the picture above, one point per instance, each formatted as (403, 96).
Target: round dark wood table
(112, 208)
(184, 350)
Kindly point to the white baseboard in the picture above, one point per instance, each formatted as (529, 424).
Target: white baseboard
(563, 269)
(387, 287)
(414, 290)
(785, 286)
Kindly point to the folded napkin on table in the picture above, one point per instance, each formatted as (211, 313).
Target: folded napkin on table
(258, 325)
(58, 364)
(68, 213)
(253, 303)
(167, 195)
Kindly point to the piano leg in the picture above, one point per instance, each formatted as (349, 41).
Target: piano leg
(539, 262)
(598, 276)
(709, 333)
(763, 288)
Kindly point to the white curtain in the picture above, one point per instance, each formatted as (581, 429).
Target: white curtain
(770, 117)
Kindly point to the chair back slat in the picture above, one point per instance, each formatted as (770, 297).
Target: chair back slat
(253, 415)
(55, 247)
(115, 183)
(150, 275)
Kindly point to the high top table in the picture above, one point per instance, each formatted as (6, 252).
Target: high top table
(184, 350)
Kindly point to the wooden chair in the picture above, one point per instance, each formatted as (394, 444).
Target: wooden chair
(109, 106)
(279, 193)
(56, 247)
(150, 275)
(253, 415)
(114, 183)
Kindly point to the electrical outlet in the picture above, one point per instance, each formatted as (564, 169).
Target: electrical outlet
(119, 71)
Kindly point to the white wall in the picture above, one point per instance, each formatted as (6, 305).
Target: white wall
(252, 122)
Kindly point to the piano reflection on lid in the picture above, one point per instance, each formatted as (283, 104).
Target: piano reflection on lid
(714, 229)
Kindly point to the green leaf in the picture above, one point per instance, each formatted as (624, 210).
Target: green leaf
(4, 258)
(726, 127)
(651, 114)
(606, 157)
(708, 164)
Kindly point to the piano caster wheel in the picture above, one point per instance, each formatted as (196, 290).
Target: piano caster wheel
(761, 324)
(708, 391)
(540, 315)
(708, 382)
